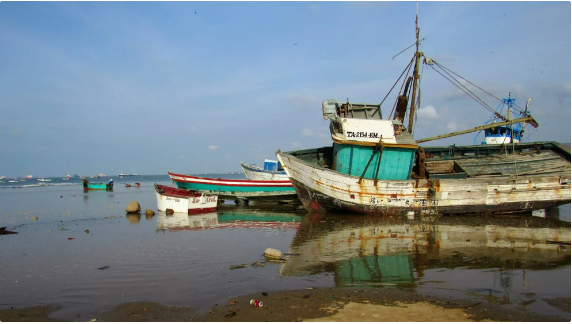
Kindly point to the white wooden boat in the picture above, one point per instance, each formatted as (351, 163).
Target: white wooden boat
(184, 201)
(272, 171)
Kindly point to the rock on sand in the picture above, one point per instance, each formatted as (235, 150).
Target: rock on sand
(133, 207)
(272, 253)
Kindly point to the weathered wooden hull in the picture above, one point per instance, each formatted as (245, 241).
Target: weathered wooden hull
(380, 244)
(184, 201)
(236, 188)
(320, 188)
(99, 186)
(254, 173)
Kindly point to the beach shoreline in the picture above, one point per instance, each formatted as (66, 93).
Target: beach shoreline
(322, 305)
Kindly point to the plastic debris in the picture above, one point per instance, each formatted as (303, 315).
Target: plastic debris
(238, 266)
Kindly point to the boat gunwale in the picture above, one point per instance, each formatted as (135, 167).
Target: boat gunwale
(232, 182)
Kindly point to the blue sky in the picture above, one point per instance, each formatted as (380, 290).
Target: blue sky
(151, 87)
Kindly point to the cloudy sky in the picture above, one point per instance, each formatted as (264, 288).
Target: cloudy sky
(193, 87)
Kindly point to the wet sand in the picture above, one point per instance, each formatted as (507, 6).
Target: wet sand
(320, 305)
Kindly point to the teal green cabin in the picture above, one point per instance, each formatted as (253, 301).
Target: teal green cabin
(369, 270)
(396, 162)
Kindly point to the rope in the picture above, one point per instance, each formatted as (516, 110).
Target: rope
(520, 110)
(394, 56)
(406, 69)
(445, 68)
(401, 90)
(468, 92)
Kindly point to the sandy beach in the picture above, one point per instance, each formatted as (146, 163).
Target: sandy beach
(313, 305)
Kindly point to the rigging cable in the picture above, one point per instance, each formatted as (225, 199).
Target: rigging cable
(418, 103)
(406, 69)
(469, 93)
(476, 86)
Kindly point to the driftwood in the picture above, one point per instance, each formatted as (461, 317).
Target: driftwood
(237, 266)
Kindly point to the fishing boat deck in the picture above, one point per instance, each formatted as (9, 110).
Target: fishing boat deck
(480, 161)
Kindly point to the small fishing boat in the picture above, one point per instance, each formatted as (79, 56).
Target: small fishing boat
(241, 189)
(272, 171)
(97, 185)
(505, 134)
(43, 179)
(183, 200)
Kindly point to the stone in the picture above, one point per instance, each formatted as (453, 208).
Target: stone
(149, 212)
(133, 207)
(272, 253)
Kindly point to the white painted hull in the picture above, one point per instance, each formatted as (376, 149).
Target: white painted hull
(319, 188)
(499, 140)
(257, 174)
(196, 203)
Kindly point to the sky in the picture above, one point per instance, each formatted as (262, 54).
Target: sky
(198, 87)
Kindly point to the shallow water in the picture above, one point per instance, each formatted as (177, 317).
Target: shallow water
(185, 260)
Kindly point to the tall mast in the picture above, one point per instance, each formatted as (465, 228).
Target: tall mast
(415, 73)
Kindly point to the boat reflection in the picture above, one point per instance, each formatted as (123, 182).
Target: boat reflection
(383, 251)
(227, 219)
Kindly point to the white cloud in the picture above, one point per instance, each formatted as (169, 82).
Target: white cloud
(428, 112)
(296, 144)
(452, 126)
(308, 132)
(213, 147)
(315, 8)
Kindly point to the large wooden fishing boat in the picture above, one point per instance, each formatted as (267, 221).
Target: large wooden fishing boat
(376, 166)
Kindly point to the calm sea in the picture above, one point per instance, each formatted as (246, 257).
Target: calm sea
(81, 251)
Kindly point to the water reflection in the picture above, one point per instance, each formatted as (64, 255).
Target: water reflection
(133, 218)
(383, 251)
(228, 219)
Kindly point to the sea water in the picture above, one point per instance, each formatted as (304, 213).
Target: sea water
(80, 250)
